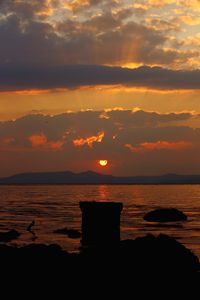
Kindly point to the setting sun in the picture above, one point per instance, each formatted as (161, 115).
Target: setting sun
(103, 162)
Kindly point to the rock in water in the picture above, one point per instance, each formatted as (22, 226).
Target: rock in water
(9, 235)
(165, 215)
(71, 233)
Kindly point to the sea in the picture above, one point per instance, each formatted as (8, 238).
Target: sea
(54, 207)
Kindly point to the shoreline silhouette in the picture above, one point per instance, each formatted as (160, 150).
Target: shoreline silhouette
(103, 250)
(90, 177)
(146, 258)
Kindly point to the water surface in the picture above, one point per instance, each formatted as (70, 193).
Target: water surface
(57, 206)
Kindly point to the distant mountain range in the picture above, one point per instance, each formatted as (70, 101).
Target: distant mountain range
(90, 177)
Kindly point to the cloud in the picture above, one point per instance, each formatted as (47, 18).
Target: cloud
(172, 26)
(28, 9)
(76, 76)
(41, 141)
(155, 143)
(46, 33)
(82, 5)
(140, 118)
(193, 4)
(85, 124)
(89, 140)
(187, 19)
(38, 140)
(160, 145)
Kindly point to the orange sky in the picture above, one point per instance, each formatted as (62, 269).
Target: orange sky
(124, 69)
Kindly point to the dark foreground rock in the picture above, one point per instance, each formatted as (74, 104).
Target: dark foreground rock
(9, 235)
(71, 233)
(165, 215)
(148, 254)
(148, 266)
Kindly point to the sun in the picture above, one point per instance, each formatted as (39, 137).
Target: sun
(103, 162)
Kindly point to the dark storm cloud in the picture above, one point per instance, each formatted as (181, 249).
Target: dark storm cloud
(31, 34)
(25, 42)
(126, 123)
(141, 118)
(75, 76)
(134, 142)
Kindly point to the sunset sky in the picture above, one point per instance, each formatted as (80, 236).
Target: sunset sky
(85, 80)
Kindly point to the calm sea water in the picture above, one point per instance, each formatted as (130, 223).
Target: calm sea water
(54, 207)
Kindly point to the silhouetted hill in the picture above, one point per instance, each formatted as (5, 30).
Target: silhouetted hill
(90, 177)
(66, 177)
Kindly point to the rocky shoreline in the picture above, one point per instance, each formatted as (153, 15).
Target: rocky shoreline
(148, 254)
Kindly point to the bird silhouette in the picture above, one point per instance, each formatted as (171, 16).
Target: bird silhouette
(29, 228)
